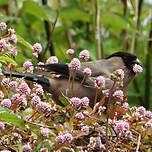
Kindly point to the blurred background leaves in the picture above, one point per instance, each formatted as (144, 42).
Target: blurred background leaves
(100, 26)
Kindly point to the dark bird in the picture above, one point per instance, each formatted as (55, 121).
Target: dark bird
(105, 67)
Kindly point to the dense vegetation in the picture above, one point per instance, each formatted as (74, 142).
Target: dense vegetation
(29, 119)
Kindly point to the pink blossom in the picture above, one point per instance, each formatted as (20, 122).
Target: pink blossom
(75, 64)
(118, 94)
(87, 71)
(85, 102)
(60, 139)
(128, 134)
(70, 52)
(17, 98)
(37, 48)
(141, 110)
(5, 82)
(2, 126)
(148, 114)
(39, 91)
(39, 68)
(1, 95)
(35, 100)
(13, 84)
(137, 68)
(2, 43)
(68, 138)
(28, 66)
(45, 132)
(52, 60)
(85, 129)
(125, 106)
(79, 116)
(100, 82)
(3, 26)
(27, 148)
(24, 88)
(35, 54)
(41, 106)
(6, 103)
(44, 150)
(121, 126)
(75, 101)
(13, 51)
(12, 39)
(148, 124)
(84, 55)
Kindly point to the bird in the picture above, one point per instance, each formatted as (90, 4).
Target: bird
(105, 67)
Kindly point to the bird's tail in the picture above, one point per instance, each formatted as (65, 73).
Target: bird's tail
(31, 77)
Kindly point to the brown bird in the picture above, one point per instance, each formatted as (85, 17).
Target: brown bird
(105, 67)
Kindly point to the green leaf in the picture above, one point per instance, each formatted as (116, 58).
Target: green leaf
(8, 116)
(7, 59)
(74, 14)
(23, 42)
(4, 18)
(64, 101)
(4, 2)
(34, 9)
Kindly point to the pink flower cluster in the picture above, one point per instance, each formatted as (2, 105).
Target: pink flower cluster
(79, 116)
(99, 82)
(66, 138)
(70, 52)
(52, 60)
(137, 68)
(87, 71)
(118, 94)
(27, 148)
(37, 48)
(2, 126)
(6, 103)
(75, 64)
(45, 132)
(84, 55)
(76, 102)
(28, 67)
(85, 129)
(3, 26)
(24, 88)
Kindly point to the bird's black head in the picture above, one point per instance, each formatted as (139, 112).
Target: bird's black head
(129, 59)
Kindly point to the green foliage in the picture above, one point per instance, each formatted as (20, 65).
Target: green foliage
(8, 116)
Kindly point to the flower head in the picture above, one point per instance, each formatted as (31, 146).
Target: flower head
(27, 148)
(5, 82)
(85, 129)
(100, 82)
(121, 126)
(45, 132)
(1, 95)
(118, 94)
(37, 48)
(24, 88)
(70, 52)
(13, 84)
(84, 55)
(3, 26)
(12, 39)
(39, 68)
(141, 110)
(137, 68)
(75, 64)
(120, 74)
(44, 149)
(13, 51)
(35, 100)
(60, 139)
(6, 103)
(79, 115)
(87, 71)
(28, 66)
(68, 138)
(52, 60)
(85, 102)
(75, 102)
(41, 106)
(3, 43)
(2, 126)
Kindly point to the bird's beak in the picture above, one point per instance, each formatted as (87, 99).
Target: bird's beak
(137, 61)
